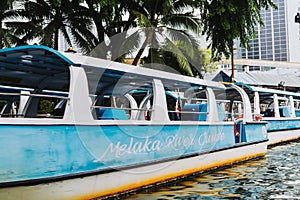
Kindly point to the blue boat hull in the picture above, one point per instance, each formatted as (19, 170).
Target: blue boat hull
(40, 152)
(282, 124)
(283, 130)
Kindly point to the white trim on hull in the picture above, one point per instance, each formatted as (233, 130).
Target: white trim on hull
(102, 185)
(277, 137)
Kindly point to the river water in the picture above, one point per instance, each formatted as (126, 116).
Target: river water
(276, 176)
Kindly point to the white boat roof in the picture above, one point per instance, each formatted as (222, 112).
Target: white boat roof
(259, 78)
(101, 63)
(26, 66)
(271, 91)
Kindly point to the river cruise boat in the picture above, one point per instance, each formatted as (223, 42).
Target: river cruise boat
(77, 127)
(280, 108)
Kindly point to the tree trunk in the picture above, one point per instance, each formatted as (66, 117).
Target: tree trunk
(1, 38)
(141, 51)
(56, 34)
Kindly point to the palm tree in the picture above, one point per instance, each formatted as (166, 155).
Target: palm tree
(110, 22)
(45, 19)
(182, 56)
(7, 38)
(168, 20)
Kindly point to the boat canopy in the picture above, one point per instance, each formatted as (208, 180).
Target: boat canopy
(68, 79)
(32, 65)
(271, 91)
(131, 77)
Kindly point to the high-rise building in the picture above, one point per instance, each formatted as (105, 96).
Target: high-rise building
(279, 38)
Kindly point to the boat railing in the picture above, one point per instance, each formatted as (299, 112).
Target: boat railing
(34, 95)
(11, 115)
(117, 113)
(187, 112)
(19, 109)
(127, 109)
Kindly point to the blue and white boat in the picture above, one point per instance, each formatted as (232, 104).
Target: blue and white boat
(114, 128)
(280, 108)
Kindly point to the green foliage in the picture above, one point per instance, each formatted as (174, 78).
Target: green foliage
(57, 3)
(7, 37)
(168, 62)
(167, 19)
(45, 106)
(227, 20)
(199, 60)
(87, 25)
(44, 20)
(206, 61)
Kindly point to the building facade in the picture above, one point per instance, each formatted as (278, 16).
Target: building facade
(279, 38)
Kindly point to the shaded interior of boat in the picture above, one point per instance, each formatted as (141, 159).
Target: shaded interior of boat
(273, 102)
(35, 83)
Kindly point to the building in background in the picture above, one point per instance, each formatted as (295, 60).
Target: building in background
(279, 39)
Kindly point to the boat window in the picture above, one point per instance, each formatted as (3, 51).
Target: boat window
(195, 106)
(191, 104)
(26, 104)
(223, 107)
(9, 107)
(175, 101)
(145, 106)
(135, 105)
(57, 112)
(44, 106)
(33, 83)
(224, 103)
(112, 108)
(230, 104)
(117, 95)
(237, 109)
(297, 103)
(297, 107)
(268, 107)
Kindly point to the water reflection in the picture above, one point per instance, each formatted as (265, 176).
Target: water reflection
(277, 176)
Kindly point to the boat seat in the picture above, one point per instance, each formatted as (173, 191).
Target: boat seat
(221, 113)
(112, 114)
(269, 112)
(199, 116)
(297, 112)
(284, 111)
(194, 116)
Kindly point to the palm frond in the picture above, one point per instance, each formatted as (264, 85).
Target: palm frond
(81, 31)
(125, 44)
(66, 35)
(179, 56)
(143, 20)
(182, 20)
